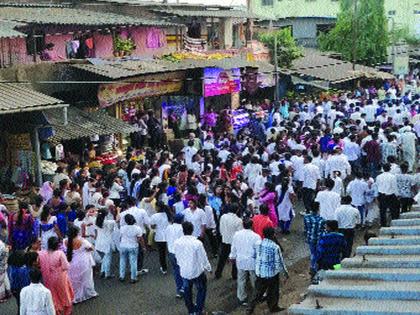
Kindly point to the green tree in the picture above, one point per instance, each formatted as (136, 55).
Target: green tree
(361, 33)
(287, 49)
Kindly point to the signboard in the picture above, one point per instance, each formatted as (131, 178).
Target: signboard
(109, 94)
(218, 81)
(401, 66)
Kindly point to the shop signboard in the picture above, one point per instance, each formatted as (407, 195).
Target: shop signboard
(219, 81)
(109, 94)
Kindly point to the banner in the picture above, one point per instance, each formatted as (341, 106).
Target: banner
(401, 66)
(218, 81)
(109, 94)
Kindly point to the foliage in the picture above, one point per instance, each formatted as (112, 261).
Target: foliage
(124, 45)
(404, 35)
(287, 50)
(359, 34)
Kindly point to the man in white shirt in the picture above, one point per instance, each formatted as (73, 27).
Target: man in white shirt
(338, 162)
(189, 151)
(197, 217)
(172, 233)
(242, 253)
(193, 262)
(352, 151)
(311, 177)
(387, 198)
(348, 217)
(328, 200)
(36, 299)
(230, 223)
(224, 153)
(357, 189)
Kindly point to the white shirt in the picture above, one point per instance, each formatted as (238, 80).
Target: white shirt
(338, 162)
(140, 215)
(347, 216)
(223, 155)
(197, 218)
(36, 299)
(191, 257)
(210, 223)
(129, 235)
(357, 189)
(189, 153)
(329, 201)
(103, 240)
(114, 192)
(172, 233)
(230, 223)
(298, 163)
(387, 183)
(243, 249)
(159, 219)
(320, 162)
(352, 150)
(311, 175)
(274, 168)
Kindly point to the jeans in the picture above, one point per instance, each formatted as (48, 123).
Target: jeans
(362, 210)
(242, 279)
(211, 237)
(349, 237)
(224, 255)
(406, 204)
(131, 255)
(176, 273)
(269, 285)
(201, 285)
(285, 225)
(106, 264)
(161, 246)
(308, 197)
(140, 259)
(312, 249)
(373, 169)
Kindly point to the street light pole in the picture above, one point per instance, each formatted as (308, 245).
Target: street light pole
(393, 42)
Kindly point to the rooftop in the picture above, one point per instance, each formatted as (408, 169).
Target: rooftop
(17, 97)
(67, 16)
(8, 29)
(220, 13)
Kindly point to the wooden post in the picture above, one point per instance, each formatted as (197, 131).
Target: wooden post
(37, 150)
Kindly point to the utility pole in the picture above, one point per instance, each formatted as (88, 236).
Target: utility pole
(354, 39)
(276, 69)
(393, 42)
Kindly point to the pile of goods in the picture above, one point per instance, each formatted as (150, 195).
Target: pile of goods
(183, 55)
(48, 168)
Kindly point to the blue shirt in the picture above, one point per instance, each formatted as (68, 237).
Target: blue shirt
(330, 249)
(314, 226)
(216, 203)
(18, 276)
(268, 259)
(62, 223)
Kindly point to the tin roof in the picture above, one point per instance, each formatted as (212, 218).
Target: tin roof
(84, 124)
(17, 97)
(68, 16)
(117, 69)
(221, 13)
(8, 29)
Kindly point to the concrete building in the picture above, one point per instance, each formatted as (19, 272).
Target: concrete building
(309, 17)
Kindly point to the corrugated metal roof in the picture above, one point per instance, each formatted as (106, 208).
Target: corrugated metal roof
(84, 124)
(317, 65)
(15, 97)
(8, 29)
(209, 13)
(67, 16)
(124, 69)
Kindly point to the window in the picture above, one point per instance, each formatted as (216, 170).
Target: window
(267, 2)
(391, 12)
(35, 43)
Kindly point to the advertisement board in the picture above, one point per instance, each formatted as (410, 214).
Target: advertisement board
(219, 81)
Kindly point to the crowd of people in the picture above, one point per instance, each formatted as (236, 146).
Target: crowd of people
(226, 195)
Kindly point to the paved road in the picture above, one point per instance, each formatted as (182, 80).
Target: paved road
(154, 294)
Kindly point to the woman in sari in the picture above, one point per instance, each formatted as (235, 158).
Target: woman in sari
(20, 228)
(269, 197)
(54, 268)
(79, 255)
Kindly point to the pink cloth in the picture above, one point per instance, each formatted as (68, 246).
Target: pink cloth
(269, 199)
(46, 191)
(54, 266)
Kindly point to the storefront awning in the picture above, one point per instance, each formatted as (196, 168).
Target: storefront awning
(17, 98)
(81, 124)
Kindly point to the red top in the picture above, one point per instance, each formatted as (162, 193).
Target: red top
(260, 222)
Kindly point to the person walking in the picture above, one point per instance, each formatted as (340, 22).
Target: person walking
(193, 262)
(103, 243)
(172, 233)
(229, 224)
(348, 217)
(36, 299)
(159, 222)
(269, 264)
(311, 178)
(358, 189)
(328, 200)
(131, 236)
(314, 226)
(242, 254)
(331, 247)
(261, 221)
(387, 188)
(54, 268)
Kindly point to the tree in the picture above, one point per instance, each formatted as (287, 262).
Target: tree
(287, 50)
(361, 33)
